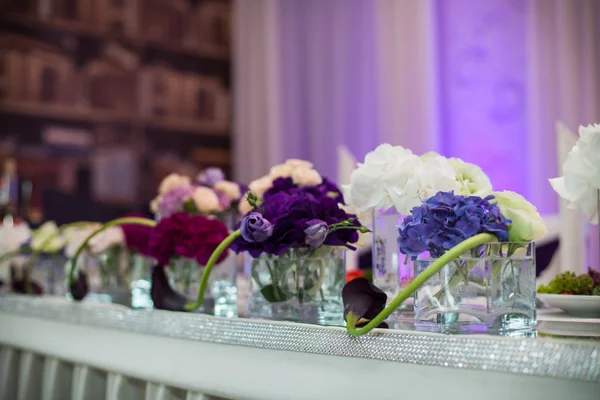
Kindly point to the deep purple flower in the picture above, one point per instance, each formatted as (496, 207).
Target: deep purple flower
(362, 299)
(194, 237)
(290, 215)
(326, 189)
(212, 175)
(445, 220)
(255, 228)
(174, 200)
(162, 294)
(316, 233)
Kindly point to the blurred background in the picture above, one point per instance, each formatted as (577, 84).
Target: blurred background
(100, 99)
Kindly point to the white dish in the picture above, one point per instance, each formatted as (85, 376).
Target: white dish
(581, 306)
(556, 322)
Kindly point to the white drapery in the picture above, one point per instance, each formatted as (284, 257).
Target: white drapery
(484, 81)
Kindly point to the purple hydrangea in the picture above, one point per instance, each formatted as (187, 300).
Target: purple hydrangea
(211, 176)
(174, 200)
(291, 215)
(445, 220)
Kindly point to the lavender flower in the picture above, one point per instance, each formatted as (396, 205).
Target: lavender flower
(255, 228)
(174, 200)
(212, 175)
(316, 233)
(445, 220)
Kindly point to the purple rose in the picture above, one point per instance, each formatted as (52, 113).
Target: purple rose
(316, 233)
(255, 228)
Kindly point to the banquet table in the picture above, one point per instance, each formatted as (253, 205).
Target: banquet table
(55, 349)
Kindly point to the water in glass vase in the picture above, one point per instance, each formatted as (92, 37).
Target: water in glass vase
(489, 289)
(300, 285)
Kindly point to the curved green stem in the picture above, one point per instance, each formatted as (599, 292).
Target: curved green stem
(11, 254)
(419, 280)
(115, 222)
(209, 266)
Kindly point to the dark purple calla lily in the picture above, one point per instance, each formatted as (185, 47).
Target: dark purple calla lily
(162, 294)
(362, 299)
(79, 289)
(18, 284)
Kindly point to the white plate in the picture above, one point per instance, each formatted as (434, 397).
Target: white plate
(581, 306)
(558, 323)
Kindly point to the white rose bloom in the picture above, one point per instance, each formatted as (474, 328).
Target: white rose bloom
(229, 189)
(371, 181)
(306, 177)
(206, 200)
(526, 223)
(296, 163)
(261, 185)
(46, 239)
(173, 181)
(473, 181)
(281, 171)
(13, 236)
(580, 182)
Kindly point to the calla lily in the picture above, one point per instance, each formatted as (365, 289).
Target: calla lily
(163, 295)
(363, 299)
(20, 285)
(79, 289)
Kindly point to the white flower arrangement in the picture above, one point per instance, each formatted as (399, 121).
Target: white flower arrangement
(13, 237)
(580, 183)
(110, 237)
(392, 176)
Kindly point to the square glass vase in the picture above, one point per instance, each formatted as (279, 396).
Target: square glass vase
(392, 271)
(490, 289)
(300, 285)
(118, 276)
(220, 298)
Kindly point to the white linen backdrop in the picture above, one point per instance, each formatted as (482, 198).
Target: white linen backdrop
(485, 81)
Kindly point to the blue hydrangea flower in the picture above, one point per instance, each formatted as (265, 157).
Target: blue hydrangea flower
(445, 220)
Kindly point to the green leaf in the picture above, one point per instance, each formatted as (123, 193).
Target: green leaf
(273, 294)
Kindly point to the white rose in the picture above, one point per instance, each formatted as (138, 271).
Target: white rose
(106, 239)
(296, 163)
(13, 236)
(229, 189)
(429, 154)
(281, 171)
(306, 177)
(370, 181)
(526, 223)
(173, 181)
(473, 181)
(206, 200)
(261, 185)
(46, 239)
(580, 182)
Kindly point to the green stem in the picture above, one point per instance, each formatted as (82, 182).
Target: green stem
(11, 254)
(116, 222)
(419, 280)
(209, 266)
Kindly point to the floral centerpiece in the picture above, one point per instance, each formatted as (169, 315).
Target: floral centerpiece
(210, 194)
(296, 236)
(388, 184)
(474, 266)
